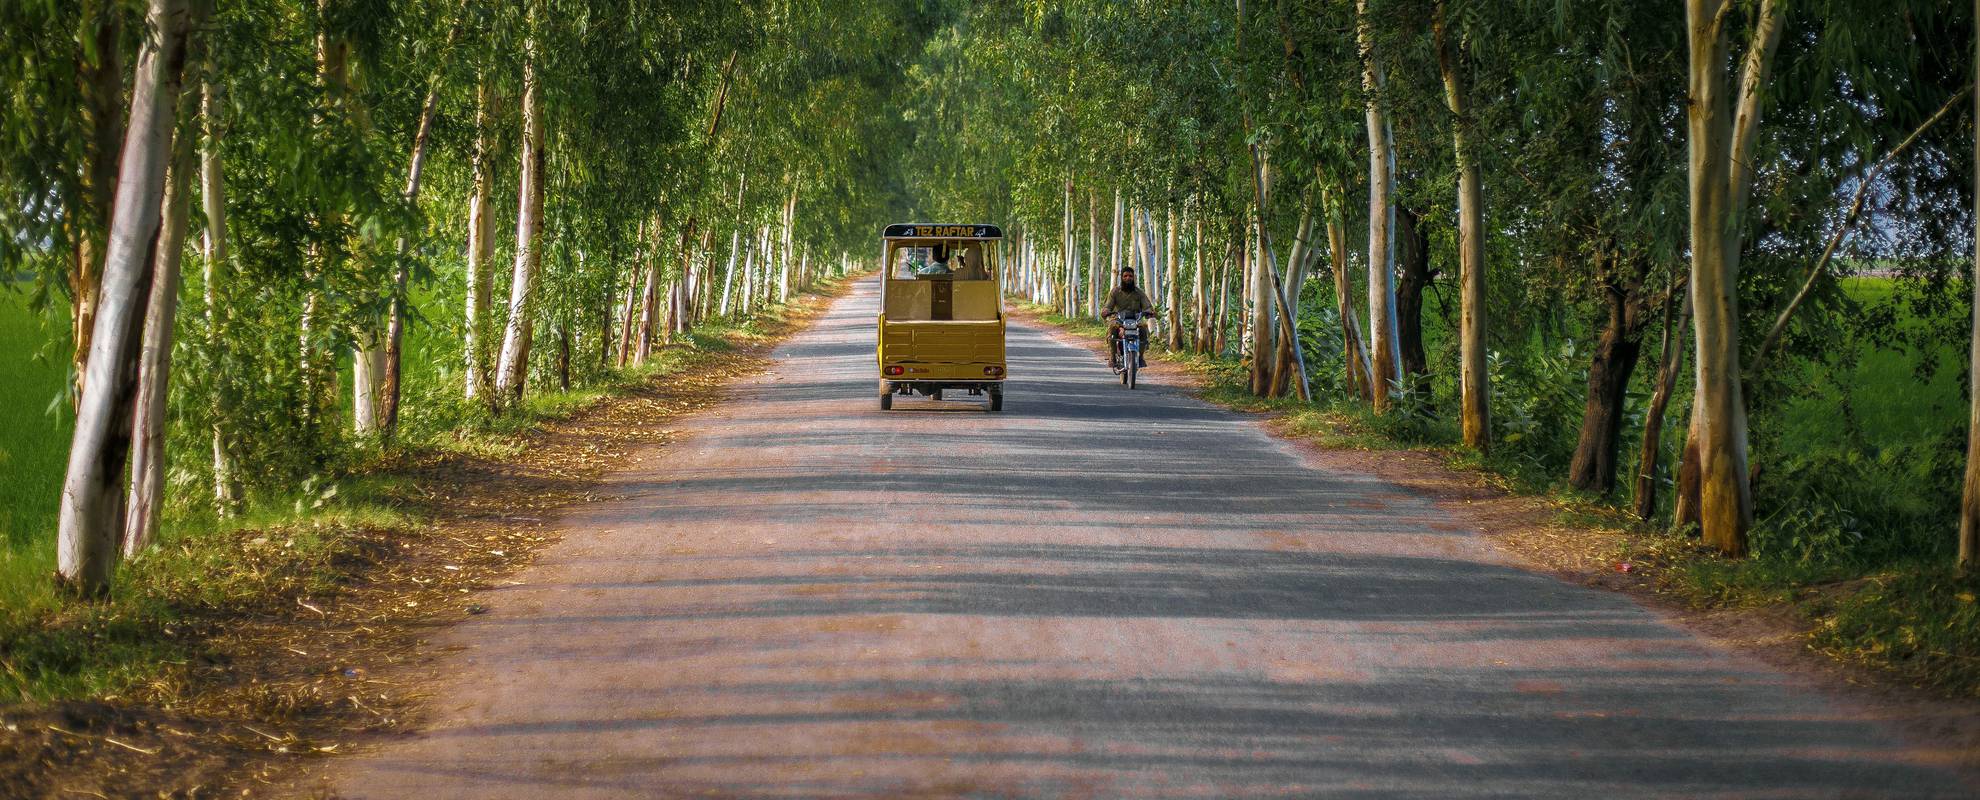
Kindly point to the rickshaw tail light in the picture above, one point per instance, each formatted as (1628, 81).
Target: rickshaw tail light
(895, 370)
(993, 371)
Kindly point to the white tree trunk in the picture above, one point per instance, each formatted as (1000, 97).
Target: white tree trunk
(1173, 265)
(1114, 237)
(784, 248)
(649, 295)
(729, 273)
(1384, 343)
(147, 492)
(1199, 300)
(1475, 416)
(92, 492)
(1356, 353)
(1263, 343)
(367, 377)
(1070, 297)
(1096, 278)
(512, 371)
(1969, 507)
(213, 200)
(1721, 140)
(393, 368)
(480, 244)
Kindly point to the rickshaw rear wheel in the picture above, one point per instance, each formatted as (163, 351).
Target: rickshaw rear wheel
(937, 394)
(886, 401)
(996, 399)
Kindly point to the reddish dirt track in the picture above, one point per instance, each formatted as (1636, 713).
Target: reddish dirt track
(1096, 593)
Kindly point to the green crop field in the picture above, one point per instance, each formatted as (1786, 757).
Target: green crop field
(1888, 398)
(34, 441)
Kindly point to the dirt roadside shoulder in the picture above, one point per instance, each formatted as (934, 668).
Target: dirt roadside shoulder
(295, 679)
(1941, 731)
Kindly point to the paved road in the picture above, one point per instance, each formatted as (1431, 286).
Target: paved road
(1094, 594)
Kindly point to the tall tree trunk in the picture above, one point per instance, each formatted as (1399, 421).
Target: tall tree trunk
(100, 75)
(395, 315)
(1475, 414)
(649, 296)
(92, 491)
(147, 492)
(1383, 339)
(1230, 271)
(729, 274)
(1069, 241)
(1413, 244)
(1969, 507)
(694, 290)
(1262, 341)
(629, 310)
(213, 200)
(367, 353)
(512, 370)
(1096, 279)
(1356, 353)
(1617, 349)
(1652, 449)
(1281, 306)
(1285, 364)
(1151, 255)
(784, 248)
(1114, 233)
(748, 270)
(1173, 266)
(1721, 140)
(318, 367)
(563, 357)
(1199, 296)
(480, 243)
(367, 376)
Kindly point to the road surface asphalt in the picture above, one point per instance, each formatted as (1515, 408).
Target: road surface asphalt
(1096, 593)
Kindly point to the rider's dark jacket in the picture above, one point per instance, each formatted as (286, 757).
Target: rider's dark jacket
(1128, 301)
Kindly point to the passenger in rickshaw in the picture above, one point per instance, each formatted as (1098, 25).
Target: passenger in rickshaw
(936, 268)
(1126, 298)
(972, 266)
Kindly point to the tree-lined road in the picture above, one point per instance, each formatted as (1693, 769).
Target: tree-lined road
(1097, 593)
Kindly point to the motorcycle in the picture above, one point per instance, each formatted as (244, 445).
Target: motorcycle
(1127, 346)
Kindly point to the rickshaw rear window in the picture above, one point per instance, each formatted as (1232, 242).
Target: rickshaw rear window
(945, 261)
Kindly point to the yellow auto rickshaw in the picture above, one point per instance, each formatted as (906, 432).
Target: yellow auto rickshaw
(941, 312)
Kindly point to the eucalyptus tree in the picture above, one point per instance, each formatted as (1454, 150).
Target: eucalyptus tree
(1454, 67)
(92, 493)
(1382, 339)
(511, 367)
(146, 499)
(1969, 508)
(1722, 123)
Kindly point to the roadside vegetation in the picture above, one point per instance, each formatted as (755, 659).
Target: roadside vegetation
(1706, 268)
(370, 230)
(149, 638)
(1870, 584)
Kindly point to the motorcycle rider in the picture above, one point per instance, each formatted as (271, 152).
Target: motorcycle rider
(1126, 298)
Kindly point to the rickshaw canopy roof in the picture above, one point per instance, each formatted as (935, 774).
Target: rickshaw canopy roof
(927, 230)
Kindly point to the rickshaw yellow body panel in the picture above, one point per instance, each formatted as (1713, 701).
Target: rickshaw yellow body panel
(943, 351)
